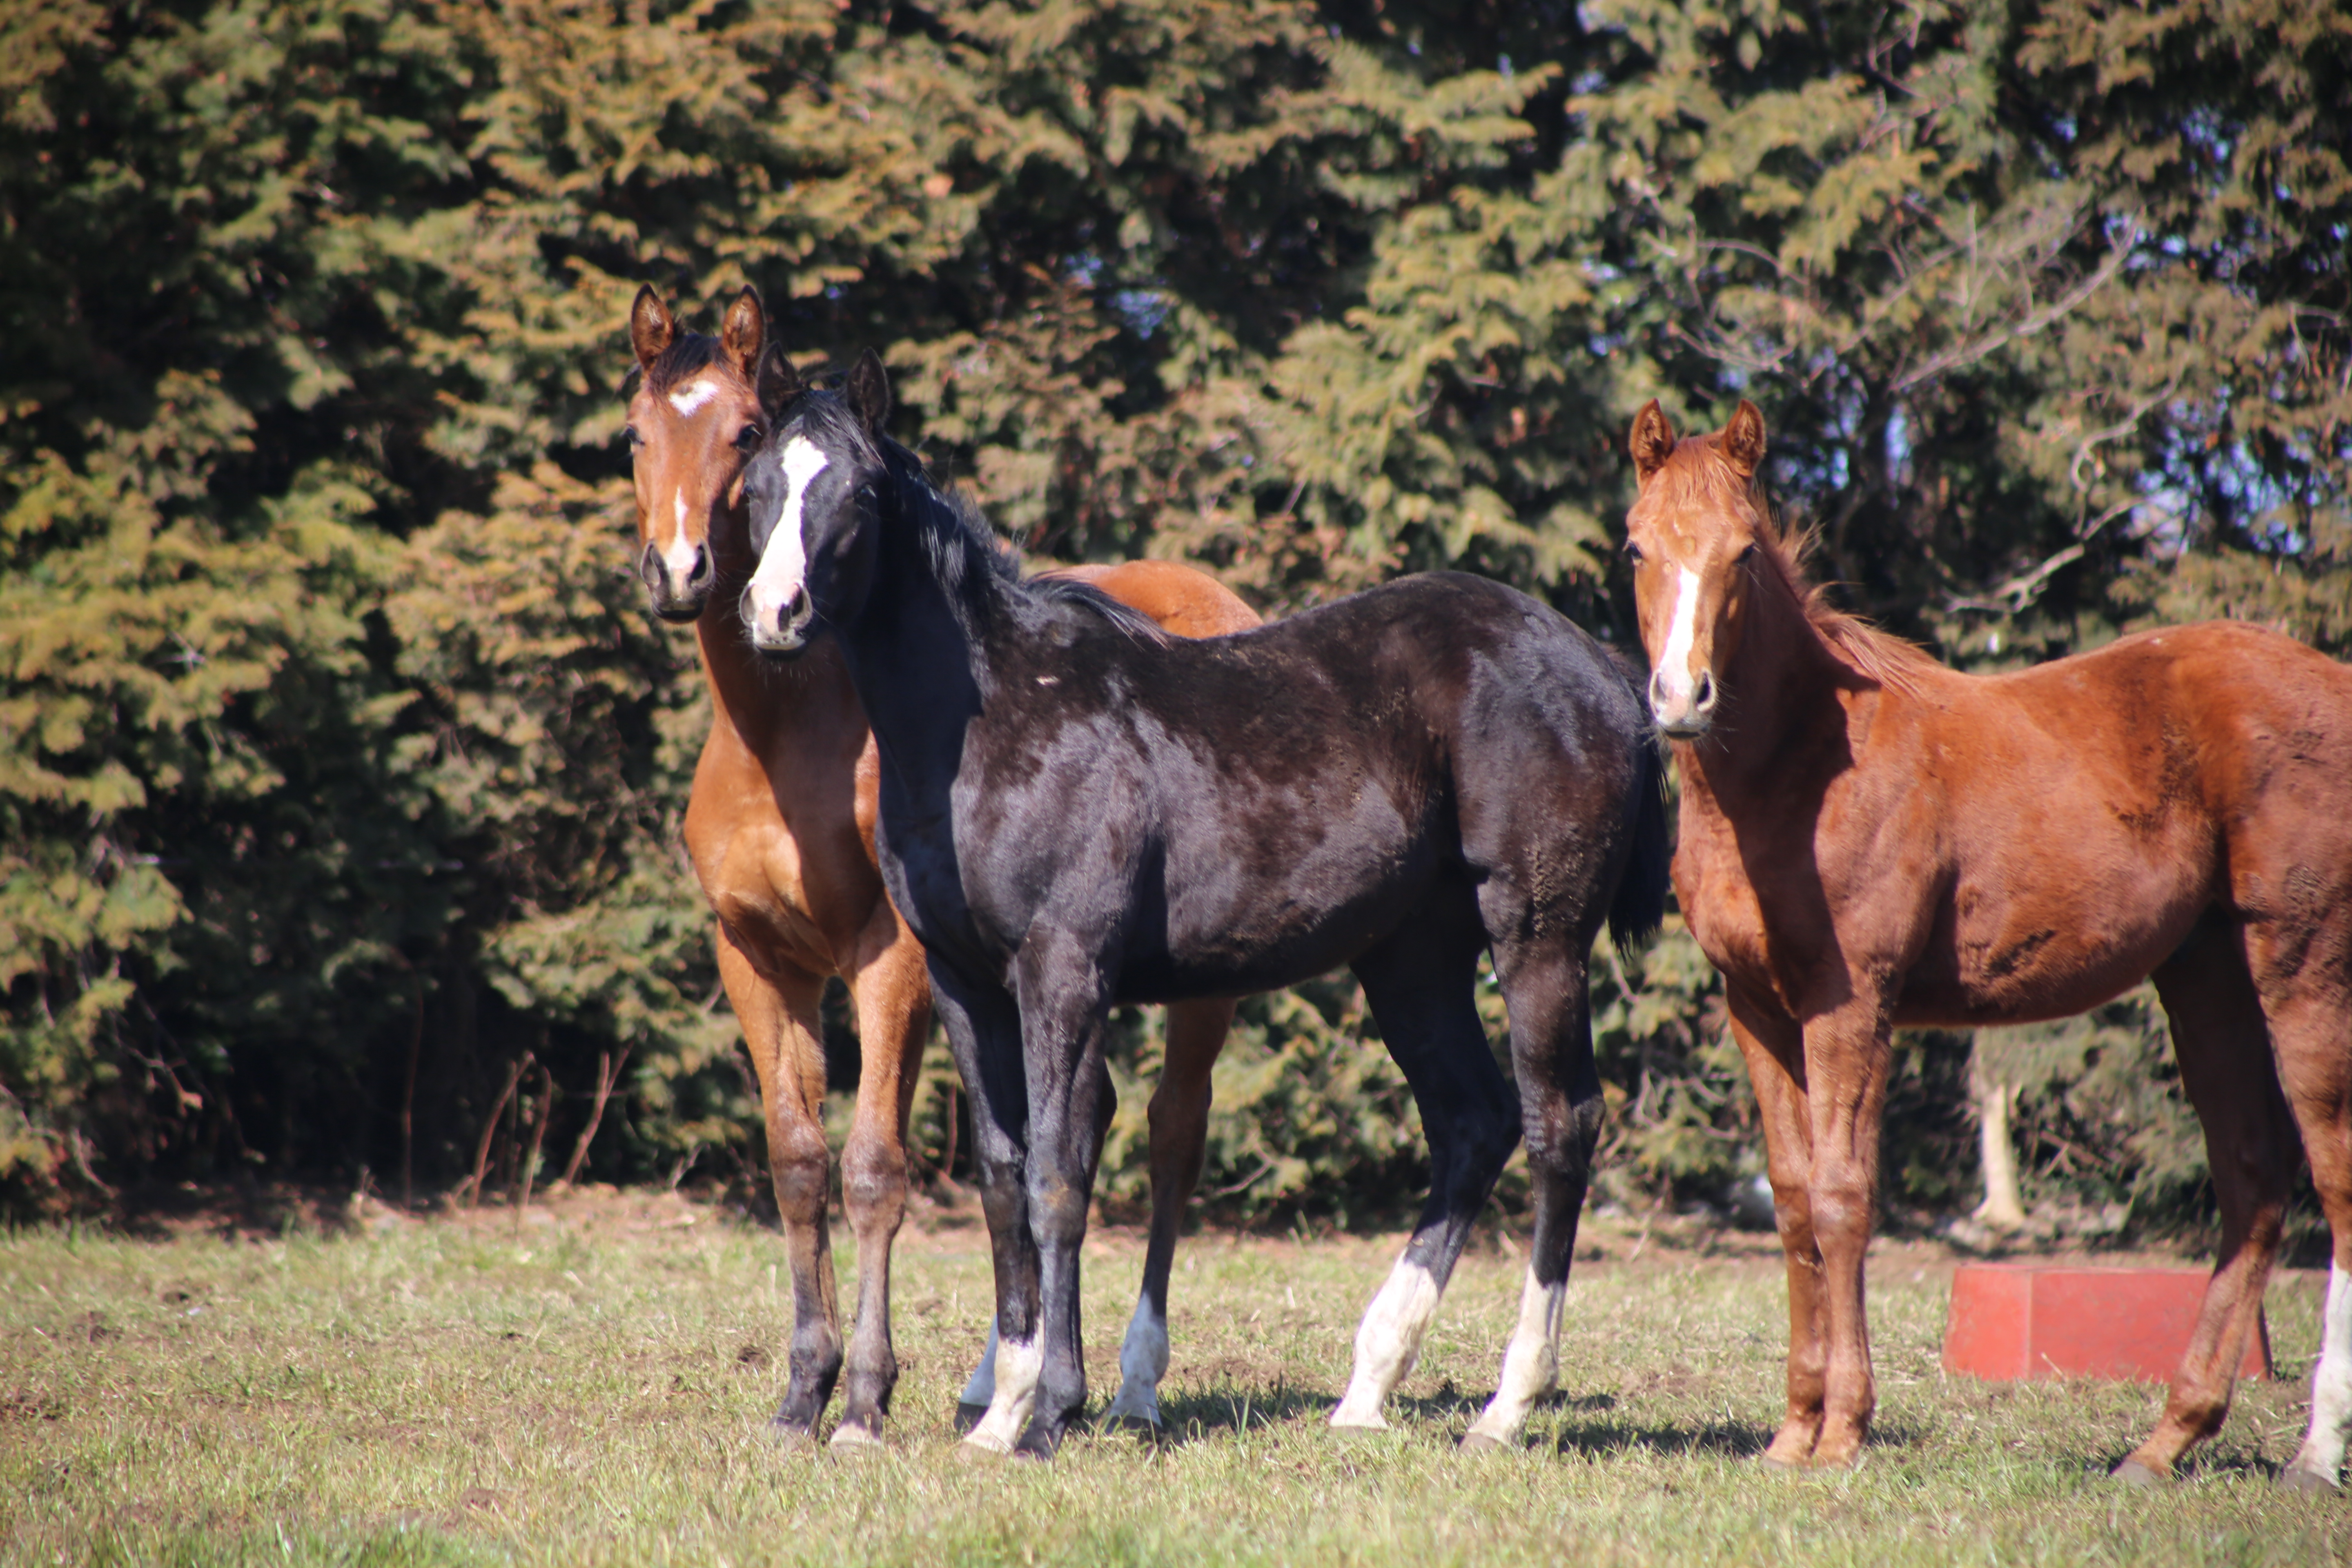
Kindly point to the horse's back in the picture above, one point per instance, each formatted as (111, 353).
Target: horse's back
(1186, 602)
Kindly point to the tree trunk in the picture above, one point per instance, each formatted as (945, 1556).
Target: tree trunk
(2001, 1208)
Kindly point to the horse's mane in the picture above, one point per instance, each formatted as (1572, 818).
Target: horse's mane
(1699, 472)
(964, 541)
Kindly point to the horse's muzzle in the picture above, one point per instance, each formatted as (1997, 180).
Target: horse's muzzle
(1684, 716)
(785, 633)
(672, 599)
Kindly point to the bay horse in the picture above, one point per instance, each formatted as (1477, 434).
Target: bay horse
(1870, 839)
(780, 829)
(1080, 811)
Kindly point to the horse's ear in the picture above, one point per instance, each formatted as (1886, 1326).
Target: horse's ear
(652, 327)
(1743, 439)
(1651, 442)
(870, 391)
(779, 382)
(744, 332)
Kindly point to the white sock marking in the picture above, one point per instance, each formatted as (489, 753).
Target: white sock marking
(1531, 1364)
(1388, 1342)
(1142, 1363)
(783, 564)
(982, 1390)
(2322, 1453)
(1019, 1365)
(690, 399)
(1673, 676)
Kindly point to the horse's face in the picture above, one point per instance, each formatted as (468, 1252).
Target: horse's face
(810, 491)
(694, 422)
(1692, 536)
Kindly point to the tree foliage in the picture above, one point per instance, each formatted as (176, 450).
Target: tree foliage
(340, 766)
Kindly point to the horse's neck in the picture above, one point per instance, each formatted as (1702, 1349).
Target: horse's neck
(919, 653)
(1782, 702)
(767, 704)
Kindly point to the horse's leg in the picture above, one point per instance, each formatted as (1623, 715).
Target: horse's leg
(983, 1030)
(781, 1027)
(2219, 1036)
(1846, 1057)
(1418, 983)
(893, 997)
(1560, 1115)
(2314, 1054)
(980, 1391)
(1773, 1048)
(1063, 999)
(1180, 1139)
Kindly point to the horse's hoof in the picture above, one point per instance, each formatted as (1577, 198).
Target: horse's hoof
(966, 1416)
(1768, 1460)
(1477, 1442)
(791, 1439)
(977, 1454)
(2132, 1473)
(851, 1440)
(1135, 1426)
(1038, 1442)
(2310, 1483)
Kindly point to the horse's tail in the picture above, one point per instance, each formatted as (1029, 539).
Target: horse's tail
(1639, 906)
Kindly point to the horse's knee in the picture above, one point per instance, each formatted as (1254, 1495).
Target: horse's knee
(800, 1169)
(1838, 1204)
(873, 1176)
(1058, 1199)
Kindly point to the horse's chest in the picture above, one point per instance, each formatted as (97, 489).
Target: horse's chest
(1768, 941)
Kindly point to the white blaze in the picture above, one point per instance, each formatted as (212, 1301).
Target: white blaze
(2322, 1454)
(679, 553)
(783, 566)
(1673, 676)
(1019, 1365)
(1388, 1342)
(687, 399)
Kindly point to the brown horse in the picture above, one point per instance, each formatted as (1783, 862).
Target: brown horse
(779, 827)
(1870, 839)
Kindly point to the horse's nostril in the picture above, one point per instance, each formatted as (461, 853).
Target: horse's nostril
(698, 576)
(650, 569)
(1703, 692)
(1657, 691)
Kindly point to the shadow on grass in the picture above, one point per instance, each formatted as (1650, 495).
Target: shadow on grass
(1616, 1437)
(1217, 1412)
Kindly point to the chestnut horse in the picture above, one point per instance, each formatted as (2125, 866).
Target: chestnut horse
(779, 827)
(1869, 840)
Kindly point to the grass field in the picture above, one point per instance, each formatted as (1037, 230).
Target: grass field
(591, 1386)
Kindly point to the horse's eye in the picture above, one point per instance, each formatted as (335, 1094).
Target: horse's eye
(1634, 553)
(1745, 556)
(634, 436)
(748, 438)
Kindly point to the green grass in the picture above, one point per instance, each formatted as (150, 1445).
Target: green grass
(593, 1389)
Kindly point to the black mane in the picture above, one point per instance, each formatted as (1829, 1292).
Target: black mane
(963, 537)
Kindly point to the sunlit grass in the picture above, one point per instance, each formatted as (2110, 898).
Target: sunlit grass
(593, 1388)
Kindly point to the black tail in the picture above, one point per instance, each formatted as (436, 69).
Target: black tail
(1639, 906)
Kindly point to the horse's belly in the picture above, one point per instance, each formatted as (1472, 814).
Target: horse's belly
(2053, 966)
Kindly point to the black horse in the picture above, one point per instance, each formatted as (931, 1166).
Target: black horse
(1079, 811)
